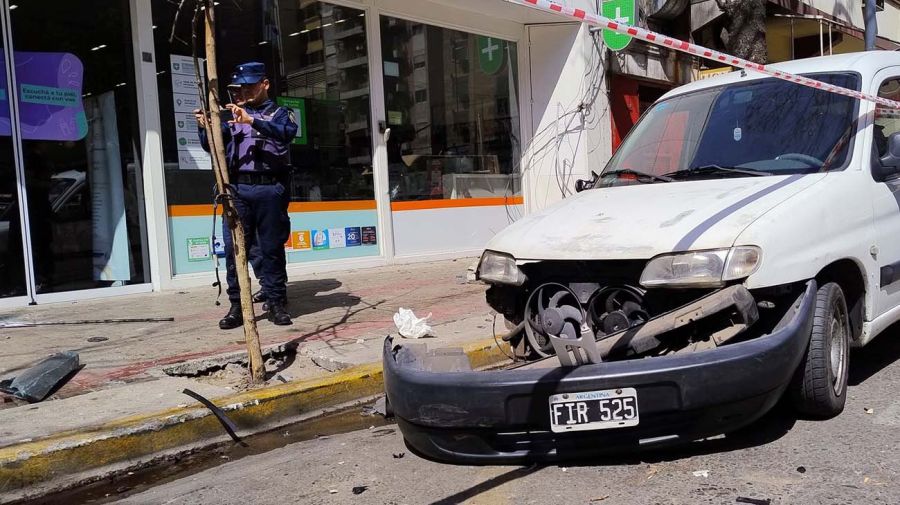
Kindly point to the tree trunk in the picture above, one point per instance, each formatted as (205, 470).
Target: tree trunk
(745, 36)
(217, 150)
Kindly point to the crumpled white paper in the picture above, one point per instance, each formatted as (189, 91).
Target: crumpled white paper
(411, 326)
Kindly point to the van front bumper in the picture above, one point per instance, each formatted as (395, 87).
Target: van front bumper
(502, 416)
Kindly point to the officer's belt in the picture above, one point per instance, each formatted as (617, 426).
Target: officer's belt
(257, 178)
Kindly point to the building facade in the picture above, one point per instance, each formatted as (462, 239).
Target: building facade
(425, 127)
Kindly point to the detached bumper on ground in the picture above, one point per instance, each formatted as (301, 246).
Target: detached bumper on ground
(503, 416)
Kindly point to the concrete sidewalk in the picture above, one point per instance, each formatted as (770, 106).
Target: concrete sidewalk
(332, 312)
(340, 324)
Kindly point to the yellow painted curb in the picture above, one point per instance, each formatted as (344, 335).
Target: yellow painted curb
(133, 439)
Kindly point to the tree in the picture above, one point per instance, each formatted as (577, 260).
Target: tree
(745, 35)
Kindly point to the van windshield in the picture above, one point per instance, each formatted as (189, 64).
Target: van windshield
(764, 127)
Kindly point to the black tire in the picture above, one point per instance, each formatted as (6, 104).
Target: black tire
(819, 386)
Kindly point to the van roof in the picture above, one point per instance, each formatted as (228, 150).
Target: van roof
(867, 64)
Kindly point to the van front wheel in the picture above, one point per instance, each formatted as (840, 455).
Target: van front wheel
(819, 386)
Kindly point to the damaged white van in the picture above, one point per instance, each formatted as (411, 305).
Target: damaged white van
(744, 236)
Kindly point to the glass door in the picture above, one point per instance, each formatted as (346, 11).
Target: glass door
(454, 144)
(77, 118)
(13, 281)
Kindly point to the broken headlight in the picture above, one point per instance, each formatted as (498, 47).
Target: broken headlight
(500, 268)
(701, 269)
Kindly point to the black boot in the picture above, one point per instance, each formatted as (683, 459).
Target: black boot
(233, 318)
(260, 296)
(278, 314)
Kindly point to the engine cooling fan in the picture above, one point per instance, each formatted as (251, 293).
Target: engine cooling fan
(617, 308)
(552, 309)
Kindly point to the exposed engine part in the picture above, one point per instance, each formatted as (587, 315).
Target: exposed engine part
(569, 311)
(552, 309)
(556, 319)
(616, 308)
(733, 309)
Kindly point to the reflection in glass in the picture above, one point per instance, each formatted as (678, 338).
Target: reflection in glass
(327, 83)
(316, 57)
(770, 126)
(451, 101)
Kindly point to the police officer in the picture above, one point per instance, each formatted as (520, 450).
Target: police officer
(257, 140)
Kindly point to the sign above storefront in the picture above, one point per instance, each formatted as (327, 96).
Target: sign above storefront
(622, 11)
(490, 54)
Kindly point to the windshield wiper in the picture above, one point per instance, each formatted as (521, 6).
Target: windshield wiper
(717, 169)
(638, 173)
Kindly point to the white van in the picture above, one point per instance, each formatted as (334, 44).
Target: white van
(744, 236)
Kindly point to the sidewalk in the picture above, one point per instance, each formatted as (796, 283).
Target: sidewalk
(340, 321)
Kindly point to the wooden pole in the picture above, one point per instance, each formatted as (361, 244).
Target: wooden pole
(217, 149)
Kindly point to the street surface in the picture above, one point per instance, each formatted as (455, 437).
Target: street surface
(854, 458)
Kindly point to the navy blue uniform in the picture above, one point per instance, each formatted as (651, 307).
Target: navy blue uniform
(257, 157)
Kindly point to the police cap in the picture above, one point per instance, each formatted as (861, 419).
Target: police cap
(248, 73)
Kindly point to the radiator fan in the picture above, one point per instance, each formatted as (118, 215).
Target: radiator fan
(617, 308)
(552, 309)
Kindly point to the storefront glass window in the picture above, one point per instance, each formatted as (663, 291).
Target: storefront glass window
(78, 121)
(317, 64)
(316, 57)
(452, 107)
(12, 259)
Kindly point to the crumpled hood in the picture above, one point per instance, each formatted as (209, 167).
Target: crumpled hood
(643, 220)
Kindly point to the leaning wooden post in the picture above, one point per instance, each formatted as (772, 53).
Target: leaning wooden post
(257, 369)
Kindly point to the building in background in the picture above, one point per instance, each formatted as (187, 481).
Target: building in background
(426, 126)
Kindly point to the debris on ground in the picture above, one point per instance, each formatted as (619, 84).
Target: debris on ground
(399, 455)
(379, 408)
(411, 326)
(97, 339)
(32, 324)
(360, 489)
(332, 491)
(599, 498)
(869, 411)
(227, 423)
(801, 469)
(701, 473)
(36, 382)
(754, 501)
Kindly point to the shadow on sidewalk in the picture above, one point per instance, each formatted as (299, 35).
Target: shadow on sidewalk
(304, 296)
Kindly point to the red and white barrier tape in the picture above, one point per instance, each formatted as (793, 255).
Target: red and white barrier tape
(693, 49)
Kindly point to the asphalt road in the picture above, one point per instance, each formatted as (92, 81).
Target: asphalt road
(854, 458)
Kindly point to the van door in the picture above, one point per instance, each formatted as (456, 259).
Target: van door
(886, 201)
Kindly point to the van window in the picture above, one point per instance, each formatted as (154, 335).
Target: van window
(887, 122)
(767, 125)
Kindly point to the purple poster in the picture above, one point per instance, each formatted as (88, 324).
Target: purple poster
(50, 105)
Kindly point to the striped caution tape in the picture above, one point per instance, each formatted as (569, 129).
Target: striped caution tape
(693, 49)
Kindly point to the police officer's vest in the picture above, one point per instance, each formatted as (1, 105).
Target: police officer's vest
(254, 152)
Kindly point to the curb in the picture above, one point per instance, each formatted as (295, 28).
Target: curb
(70, 458)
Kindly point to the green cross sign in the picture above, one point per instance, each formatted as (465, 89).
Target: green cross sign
(490, 54)
(621, 11)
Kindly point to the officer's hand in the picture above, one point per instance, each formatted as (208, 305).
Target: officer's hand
(201, 119)
(239, 114)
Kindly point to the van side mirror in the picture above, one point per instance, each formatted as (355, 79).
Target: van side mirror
(583, 184)
(891, 160)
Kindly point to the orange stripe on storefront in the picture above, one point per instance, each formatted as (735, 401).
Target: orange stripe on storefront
(452, 204)
(206, 209)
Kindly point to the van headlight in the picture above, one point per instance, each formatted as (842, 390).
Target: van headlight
(701, 269)
(500, 268)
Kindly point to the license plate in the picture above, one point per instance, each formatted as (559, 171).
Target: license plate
(594, 410)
